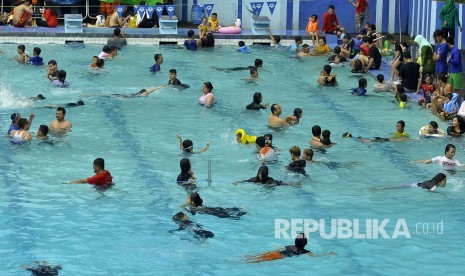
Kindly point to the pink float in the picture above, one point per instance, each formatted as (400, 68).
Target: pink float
(231, 29)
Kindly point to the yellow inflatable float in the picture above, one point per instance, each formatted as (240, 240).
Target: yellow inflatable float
(243, 138)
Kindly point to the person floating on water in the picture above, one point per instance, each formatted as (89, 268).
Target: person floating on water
(101, 177)
(195, 229)
(141, 93)
(262, 178)
(399, 136)
(437, 181)
(288, 251)
(258, 63)
(44, 269)
(78, 103)
(187, 146)
(195, 205)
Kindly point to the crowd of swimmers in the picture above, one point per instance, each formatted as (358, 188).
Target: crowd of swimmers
(439, 85)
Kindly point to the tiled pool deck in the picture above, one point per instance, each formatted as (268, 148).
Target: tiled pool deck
(41, 35)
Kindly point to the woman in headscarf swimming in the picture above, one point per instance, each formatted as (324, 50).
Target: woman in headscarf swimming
(288, 251)
(263, 178)
(187, 176)
(192, 227)
(195, 205)
(438, 180)
(449, 16)
(427, 63)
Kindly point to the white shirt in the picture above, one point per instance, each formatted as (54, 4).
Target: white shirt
(446, 163)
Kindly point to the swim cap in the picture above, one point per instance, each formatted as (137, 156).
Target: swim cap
(346, 135)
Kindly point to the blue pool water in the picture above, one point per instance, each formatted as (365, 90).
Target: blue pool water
(126, 230)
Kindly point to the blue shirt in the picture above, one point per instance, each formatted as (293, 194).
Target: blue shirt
(441, 63)
(359, 91)
(455, 61)
(155, 68)
(12, 127)
(294, 47)
(243, 49)
(36, 61)
(191, 45)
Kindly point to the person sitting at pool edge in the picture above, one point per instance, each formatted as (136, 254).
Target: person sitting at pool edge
(288, 251)
(273, 119)
(187, 146)
(101, 177)
(191, 43)
(22, 15)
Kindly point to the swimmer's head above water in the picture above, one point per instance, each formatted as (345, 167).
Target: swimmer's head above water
(187, 145)
(194, 200)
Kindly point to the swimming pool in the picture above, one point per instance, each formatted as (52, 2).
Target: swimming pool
(125, 230)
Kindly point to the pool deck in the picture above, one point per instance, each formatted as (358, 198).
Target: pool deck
(151, 36)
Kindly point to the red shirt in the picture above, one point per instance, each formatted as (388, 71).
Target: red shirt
(101, 178)
(330, 22)
(51, 18)
(362, 4)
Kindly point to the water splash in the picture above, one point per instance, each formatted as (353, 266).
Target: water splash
(8, 100)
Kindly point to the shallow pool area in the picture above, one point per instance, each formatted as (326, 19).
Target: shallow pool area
(127, 229)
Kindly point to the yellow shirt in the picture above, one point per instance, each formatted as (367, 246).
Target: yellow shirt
(213, 24)
(400, 135)
(322, 49)
(403, 105)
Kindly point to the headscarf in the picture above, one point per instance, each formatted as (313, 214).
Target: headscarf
(449, 6)
(421, 41)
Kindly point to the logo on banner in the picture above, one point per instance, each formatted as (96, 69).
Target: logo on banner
(119, 10)
(271, 6)
(256, 7)
(170, 10)
(208, 9)
(150, 11)
(135, 9)
(141, 11)
(159, 10)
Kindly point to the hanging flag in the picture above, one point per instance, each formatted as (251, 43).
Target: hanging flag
(141, 11)
(159, 10)
(170, 10)
(208, 9)
(150, 11)
(120, 10)
(271, 6)
(256, 7)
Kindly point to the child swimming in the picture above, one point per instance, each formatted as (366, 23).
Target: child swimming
(438, 180)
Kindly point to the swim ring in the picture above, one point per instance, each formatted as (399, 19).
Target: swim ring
(423, 132)
(246, 139)
(229, 30)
